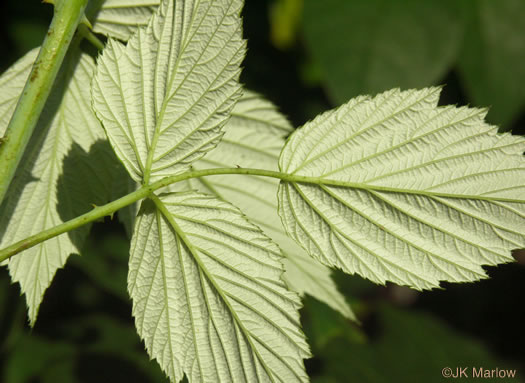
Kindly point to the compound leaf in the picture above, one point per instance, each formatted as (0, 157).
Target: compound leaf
(254, 137)
(164, 97)
(207, 293)
(397, 189)
(121, 18)
(66, 129)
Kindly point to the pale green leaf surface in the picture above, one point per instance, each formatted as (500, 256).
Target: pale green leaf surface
(254, 137)
(31, 204)
(121, 18)
(404, 191)
(208, 298)
(12, 82)
(164, 97)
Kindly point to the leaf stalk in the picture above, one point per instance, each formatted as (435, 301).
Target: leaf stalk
(66, 17)
(146, 190)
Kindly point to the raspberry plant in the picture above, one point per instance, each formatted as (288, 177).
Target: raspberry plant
(232, 214)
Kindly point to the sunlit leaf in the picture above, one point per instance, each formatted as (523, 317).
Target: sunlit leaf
(164, 97)
(12, 82)
(254, 138)
(65, 133)
(121, 18)
(399, 190)
(208, 297)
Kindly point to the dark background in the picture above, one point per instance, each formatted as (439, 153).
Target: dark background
(309, 56)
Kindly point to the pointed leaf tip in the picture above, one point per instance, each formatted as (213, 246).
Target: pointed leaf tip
(404, 191)
(164, 98)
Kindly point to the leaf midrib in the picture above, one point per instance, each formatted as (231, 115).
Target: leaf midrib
(182, 48)
(386, 189)
(180, 233)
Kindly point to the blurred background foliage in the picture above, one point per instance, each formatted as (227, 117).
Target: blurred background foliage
(308, 56)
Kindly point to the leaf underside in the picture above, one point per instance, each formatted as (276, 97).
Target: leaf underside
(254, 137)
(208, 298)
(398, 190)
(208, 295)
(164, 97)
(405, 191)
(119, 19)
(32, 203)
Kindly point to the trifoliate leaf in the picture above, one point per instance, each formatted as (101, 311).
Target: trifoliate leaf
(121, 18)
(64, 134)
(164, 97)
(207, 293)
(397, 189)
(254, 138)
